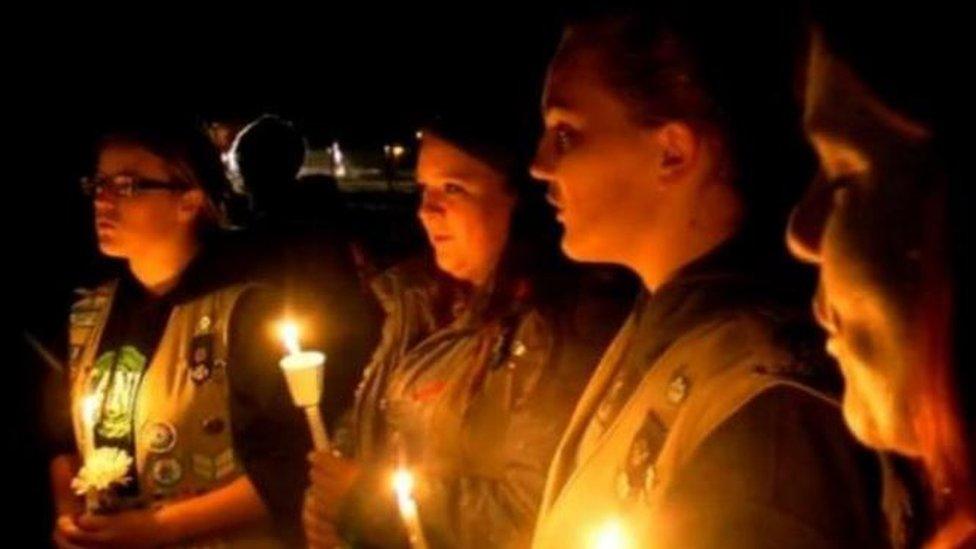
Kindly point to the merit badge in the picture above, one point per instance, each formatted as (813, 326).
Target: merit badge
(167, 471)
(214, 425)
(639, 467)
(216, 467)
(161, 437)
(203, 325)
(678, 389)
(201, 358)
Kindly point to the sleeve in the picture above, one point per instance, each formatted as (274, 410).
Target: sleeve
(782, 472)
(270, 434)
(369, 516)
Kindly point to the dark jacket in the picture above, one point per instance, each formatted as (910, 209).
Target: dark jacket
(474, 401)
(709, 423)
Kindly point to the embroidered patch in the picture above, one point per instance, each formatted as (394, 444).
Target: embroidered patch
(166, 471)
(203, 325)
(201, 358)
(216, 467)
(160, 437)
(678, 389)
(214, 425)
(429, 391)
(644, 448)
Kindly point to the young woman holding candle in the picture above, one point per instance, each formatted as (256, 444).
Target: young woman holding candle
(176, 360)
(885, 221)
(483, 354)
(709, 421)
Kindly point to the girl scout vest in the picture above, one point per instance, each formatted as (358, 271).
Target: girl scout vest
(181, 428)
(611, 487)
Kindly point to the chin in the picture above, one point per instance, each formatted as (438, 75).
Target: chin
(579, 251)
(110, 249)
(864, 428)
(447, 265)
(868, 429)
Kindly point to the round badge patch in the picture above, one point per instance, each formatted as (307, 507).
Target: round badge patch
(200, 373)
(203, 324)
(161, 437)
(167, 471)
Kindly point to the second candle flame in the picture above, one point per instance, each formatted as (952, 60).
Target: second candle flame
(289, 335)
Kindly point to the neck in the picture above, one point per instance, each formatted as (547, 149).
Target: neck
(159, 269)
(715, 216)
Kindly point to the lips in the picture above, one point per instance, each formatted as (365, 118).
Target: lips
(552, 199)
(825, 315)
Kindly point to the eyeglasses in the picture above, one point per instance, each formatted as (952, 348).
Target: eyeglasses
(126, 185)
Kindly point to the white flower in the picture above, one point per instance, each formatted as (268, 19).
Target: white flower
(103, 468)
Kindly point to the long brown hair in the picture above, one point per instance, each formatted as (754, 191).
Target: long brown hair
(907, 76)
(941, 422)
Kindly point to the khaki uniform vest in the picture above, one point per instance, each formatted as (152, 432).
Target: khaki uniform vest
(182, 431)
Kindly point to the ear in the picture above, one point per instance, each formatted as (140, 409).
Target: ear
(679, 148)
(191, 205)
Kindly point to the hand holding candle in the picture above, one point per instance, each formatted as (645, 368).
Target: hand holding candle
(305, 373)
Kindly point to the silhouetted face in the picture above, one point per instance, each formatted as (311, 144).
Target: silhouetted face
(861, 222)
(466, 209)
(161, 209)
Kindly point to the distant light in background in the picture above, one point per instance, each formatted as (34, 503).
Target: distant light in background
(419, 135)
(398, 151)
(338, 161)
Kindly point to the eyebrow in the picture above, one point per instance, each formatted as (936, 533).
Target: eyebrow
(561, 110)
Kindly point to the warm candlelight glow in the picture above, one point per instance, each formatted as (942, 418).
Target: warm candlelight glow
(612, 535)
(289, 336)
(88, 406)
(403, 484)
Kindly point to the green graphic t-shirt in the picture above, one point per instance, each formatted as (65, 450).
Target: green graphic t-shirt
(131, 335)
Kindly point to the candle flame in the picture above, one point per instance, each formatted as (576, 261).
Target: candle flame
(612, 535)
(289, 336)
(403, 484)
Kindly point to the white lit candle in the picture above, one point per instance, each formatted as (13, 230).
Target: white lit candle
(403, 486)
(304, 371)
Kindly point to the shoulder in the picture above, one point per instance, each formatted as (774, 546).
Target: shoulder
(251, 305)
(786, 461)
(763, 342)
(413, 275)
